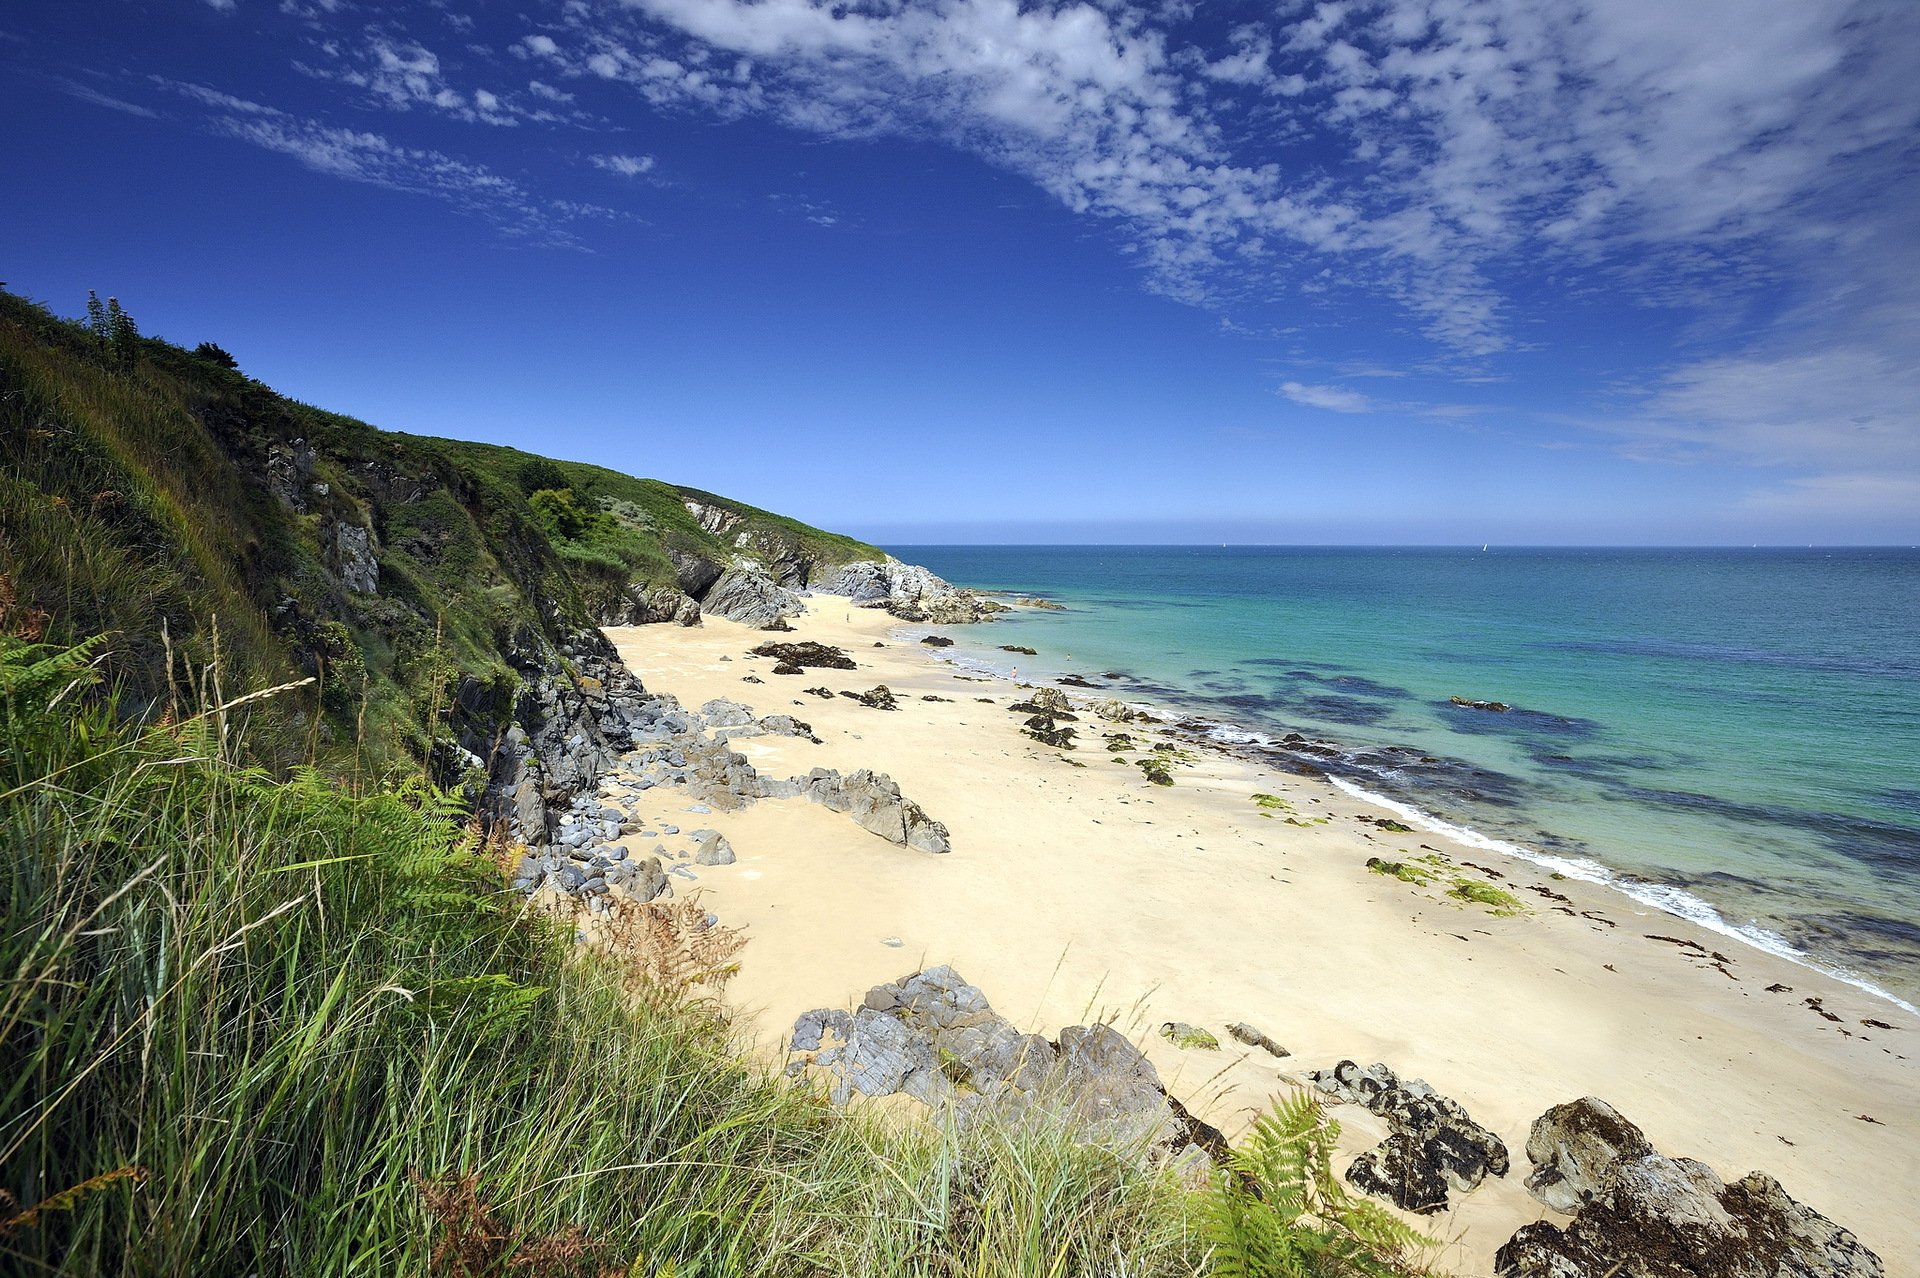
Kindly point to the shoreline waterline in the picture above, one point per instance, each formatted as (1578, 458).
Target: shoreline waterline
(1668, 898)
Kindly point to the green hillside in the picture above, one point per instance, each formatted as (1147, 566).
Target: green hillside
(159, 496)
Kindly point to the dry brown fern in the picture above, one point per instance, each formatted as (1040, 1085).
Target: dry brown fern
(671, 946)
(473, 1243)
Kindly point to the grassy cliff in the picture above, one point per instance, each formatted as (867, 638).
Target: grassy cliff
(159, 495)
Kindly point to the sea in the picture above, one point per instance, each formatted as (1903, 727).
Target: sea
(1728, 735)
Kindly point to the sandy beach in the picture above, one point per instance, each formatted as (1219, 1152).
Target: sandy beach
(1077, 890)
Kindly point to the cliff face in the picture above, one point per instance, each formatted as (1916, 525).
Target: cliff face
(444, 596)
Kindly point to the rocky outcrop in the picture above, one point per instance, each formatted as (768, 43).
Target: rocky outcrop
(350, 555)
(747, 594)
(562, 731)
(878, 697)
(873, 800)
(934, 1037)
(1639, 1212)
(652, 605)
(1242, 1032)
(1658, 1217)
(806, 655)
(1572, 1145)
(1432, 1144)
(908, 591)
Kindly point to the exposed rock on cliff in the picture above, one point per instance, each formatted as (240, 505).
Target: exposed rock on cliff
(747, 594)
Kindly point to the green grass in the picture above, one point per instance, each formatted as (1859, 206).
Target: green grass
(260, 1025)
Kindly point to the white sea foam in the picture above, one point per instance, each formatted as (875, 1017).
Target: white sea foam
(1663, 897)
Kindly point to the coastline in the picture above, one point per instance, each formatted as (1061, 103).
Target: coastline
(1074, 891)
(1250, 743)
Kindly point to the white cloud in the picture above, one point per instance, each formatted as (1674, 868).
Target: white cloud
(1337, 399)
(624, 165)
(364, 156)
(87, 93)
(224, 6)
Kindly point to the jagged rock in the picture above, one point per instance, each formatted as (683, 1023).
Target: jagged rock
(826, 693)
(879, 697)
(711, 848)
(290, 471)
(786, 725)
(350, 551)
(721, 713)
(928, 1032)
(787, 667)
(640, 880)
(937, 641)
(644, 606)
(692, 572)
(1042, 728)
(1050, 701)
(1497, 707)
(1114, 710)
(1075, 681)
(746, 594)
(1245, 1033)
(1014, 647)
(1433, 1142)
(875, 802)
(1657, 1217)
(819, 656)
(1572, 1146)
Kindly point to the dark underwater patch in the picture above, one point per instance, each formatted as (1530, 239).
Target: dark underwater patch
(1516, 722)
(1346, 710)
(1884, 845)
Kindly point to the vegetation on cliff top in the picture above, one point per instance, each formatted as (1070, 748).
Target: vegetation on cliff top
(146, 490)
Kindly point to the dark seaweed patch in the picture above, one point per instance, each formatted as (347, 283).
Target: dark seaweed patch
(1883, 844)
(1348, 710)
(1517, 722)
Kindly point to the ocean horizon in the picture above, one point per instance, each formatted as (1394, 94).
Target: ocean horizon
(1729, 734)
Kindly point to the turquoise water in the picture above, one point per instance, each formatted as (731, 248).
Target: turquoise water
(1728, 734)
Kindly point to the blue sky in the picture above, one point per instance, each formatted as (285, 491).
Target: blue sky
(1620, 271)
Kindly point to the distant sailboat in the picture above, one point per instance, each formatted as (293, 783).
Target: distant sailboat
(1483, 550)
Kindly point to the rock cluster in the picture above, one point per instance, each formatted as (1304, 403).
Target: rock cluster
(633, 742)
(879, 697)
(807, 655)
(1432, 1143)
(908, 591)
(1639, 1212)
(934, 1037)
(874, 801)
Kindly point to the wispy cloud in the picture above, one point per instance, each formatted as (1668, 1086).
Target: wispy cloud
(1337, 399)
(624, 165)
(364, 156)
(87, 93)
